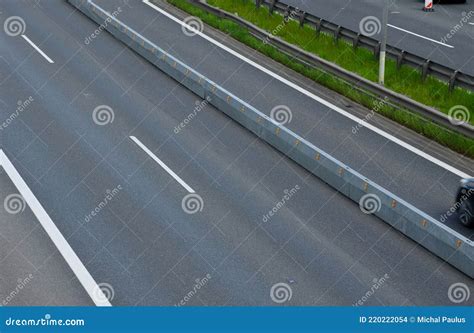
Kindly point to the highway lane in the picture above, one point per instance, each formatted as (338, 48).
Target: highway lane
(141, 241)
(426, 33)
(33, 271)
(415, 179)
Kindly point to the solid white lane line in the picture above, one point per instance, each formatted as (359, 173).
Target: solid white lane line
(162, 164)
(316, 98)
(37, 49)
(417, 35)
(81, 272)
(471, 23)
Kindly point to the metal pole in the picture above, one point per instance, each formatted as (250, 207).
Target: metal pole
(383, 46)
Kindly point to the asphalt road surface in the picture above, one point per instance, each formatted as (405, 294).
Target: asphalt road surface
(33, 270)
(427, 34)
(114, 185)
(416, 179)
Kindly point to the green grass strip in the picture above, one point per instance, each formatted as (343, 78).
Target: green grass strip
(361, 61)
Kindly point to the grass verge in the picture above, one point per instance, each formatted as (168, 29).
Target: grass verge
(360, 61)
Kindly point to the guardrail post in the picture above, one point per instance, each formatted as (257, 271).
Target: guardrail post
(286, 14)
(377, 49)
(272, 6)
(355, 41)
(452, 81)
(302, 18)
(319, 25)
(425, 69)
(400, 57)
(337, 33)
(258, 3)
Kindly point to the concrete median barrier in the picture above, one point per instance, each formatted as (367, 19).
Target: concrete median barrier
(373, 199)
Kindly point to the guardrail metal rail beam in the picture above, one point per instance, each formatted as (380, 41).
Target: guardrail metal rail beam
(362, 84)
(427, 67)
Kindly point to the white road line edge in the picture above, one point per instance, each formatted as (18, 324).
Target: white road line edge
(471, 23)
(81, 272)
(417, 35)
(37, 49)
(316, 98)
(162, 164)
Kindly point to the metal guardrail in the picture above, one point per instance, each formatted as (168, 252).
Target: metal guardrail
(356, 81)
(452, 76)
(430, 233)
